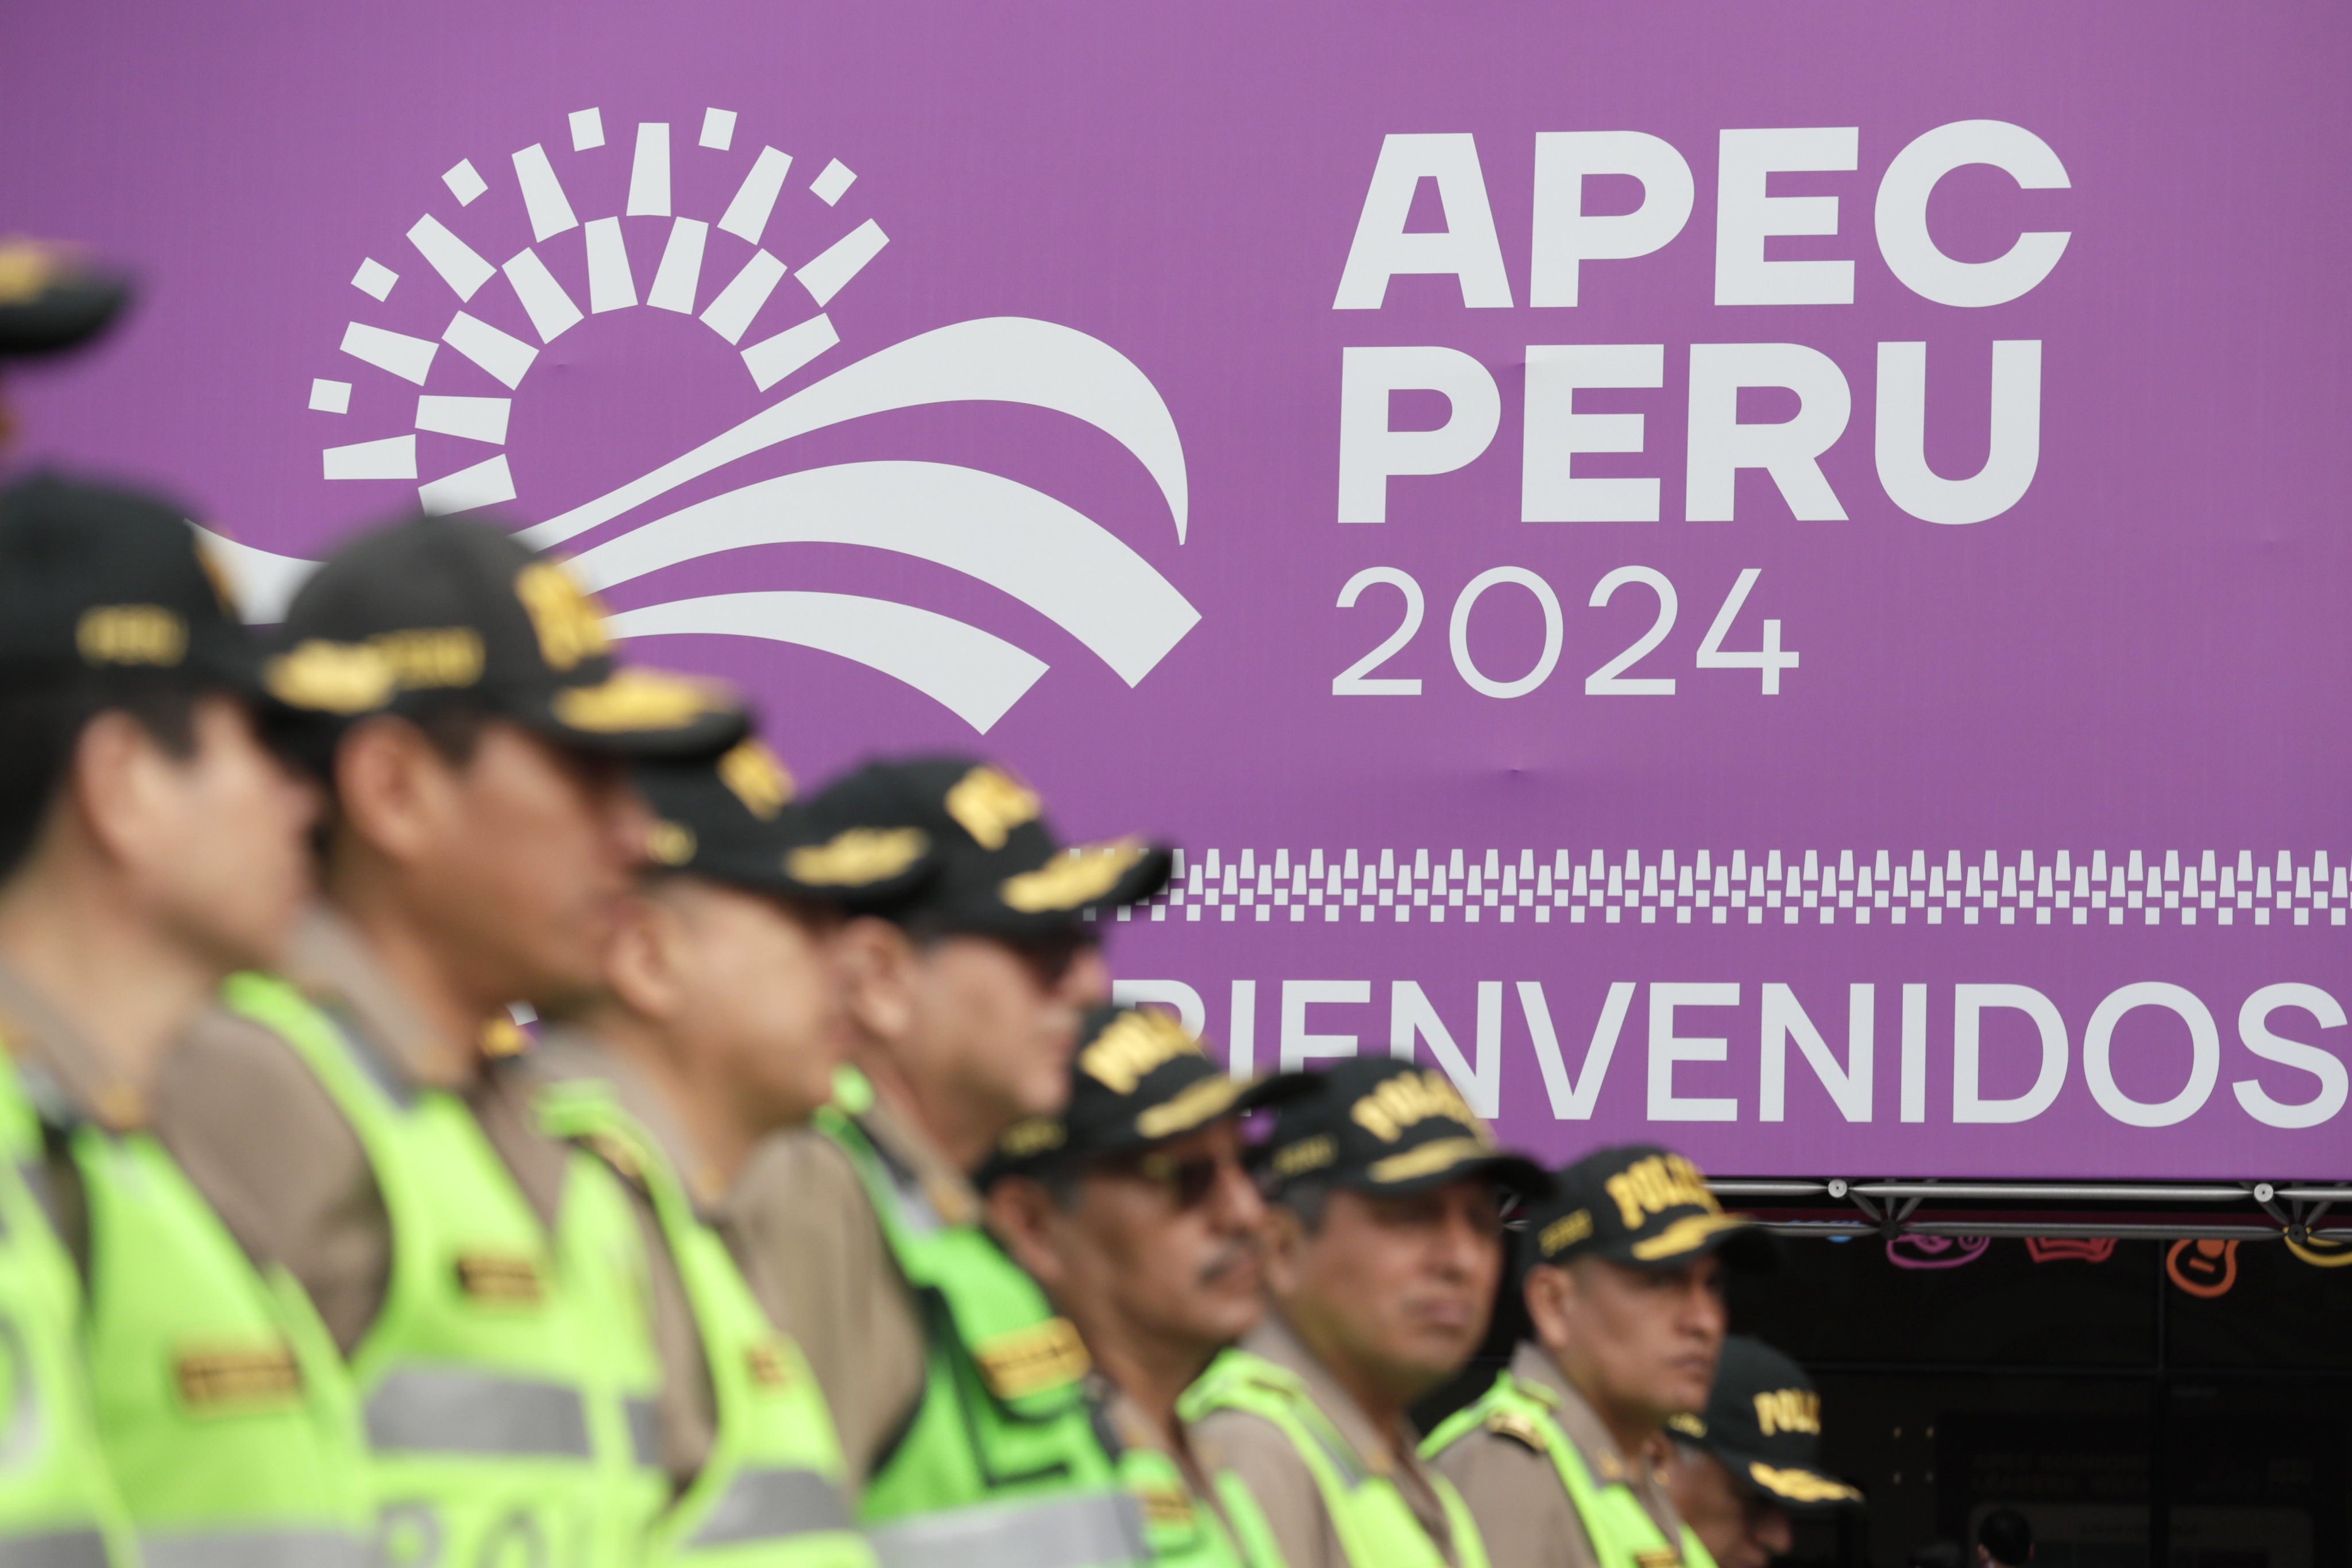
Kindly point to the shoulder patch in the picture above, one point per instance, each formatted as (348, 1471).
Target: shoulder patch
(1519, 1429)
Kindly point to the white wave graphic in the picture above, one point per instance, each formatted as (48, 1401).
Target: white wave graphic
(1051, 557)
(976, 676)
(993, 359)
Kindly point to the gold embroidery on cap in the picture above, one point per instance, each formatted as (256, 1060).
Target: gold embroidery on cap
(567, 618)
(1683, 1235)
(431, 657)
(989, 803)
(1034, 1136)
(757, 778)
(857, 857)
(1686, 1423)
(502, 1278)
(669, 843)
(1789, 1410)
(1026, 1361)
(1429, 1159)
(1565, 1231)
(1307, 1154)
(1135, 1043)
(219, 1381)
(1657, 1182)
(637, 699)
(1801, 1486)
(1410, 1099)
(131, 634)
(331, 677)
(1069, 881)
(1206, 1099)
(26, 270)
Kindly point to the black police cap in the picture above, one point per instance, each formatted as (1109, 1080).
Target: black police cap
(440, 607)
(1644, 1208)
(733, 819)
(1137, 1078)
(1380, 1125)
(96, 577)
(1763, 1423)
(52, 301)
(1001, 870)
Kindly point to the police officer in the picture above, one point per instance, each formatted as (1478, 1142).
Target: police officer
(956, 1388)
(481, 844)
(1624, 1289)
(1738, 1469)
(52, 301)
(1134, 1211)
(150, 843)
(1385, 1246)
(721, 1022)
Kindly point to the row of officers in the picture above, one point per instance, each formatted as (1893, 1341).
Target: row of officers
(829, 1219)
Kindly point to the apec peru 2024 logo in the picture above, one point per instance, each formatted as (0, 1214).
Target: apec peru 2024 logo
(444, 344)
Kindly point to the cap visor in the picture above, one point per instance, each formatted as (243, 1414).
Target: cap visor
(66, 315)
(641, 712)
(1057, 895)
(1449, 1160)
(1797, 1487)
(1740, 1242)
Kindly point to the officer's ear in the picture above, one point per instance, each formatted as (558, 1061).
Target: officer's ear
(642, 967)
(1551, 1296)
(1021, 1211)
(394, 788)
(877, 977)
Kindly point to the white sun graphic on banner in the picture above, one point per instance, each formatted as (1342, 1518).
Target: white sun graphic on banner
(779, 316)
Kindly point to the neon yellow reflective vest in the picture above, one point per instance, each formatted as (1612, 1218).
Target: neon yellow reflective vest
(770, 1494)
(1003, 1465)
(1376, 1528)
(506, 1383)
(58, 1508)
(1180, 1528)
(1623, 1534)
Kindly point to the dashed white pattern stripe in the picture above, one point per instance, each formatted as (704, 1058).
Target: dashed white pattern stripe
(1811, 887)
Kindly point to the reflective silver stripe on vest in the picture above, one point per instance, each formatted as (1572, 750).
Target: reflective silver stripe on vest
(763, 1505)
(1088, 1530)
(55, 1549)
(253, 1548)
(645, 1431)
(444, 1410)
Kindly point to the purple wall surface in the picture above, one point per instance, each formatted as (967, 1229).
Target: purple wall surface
(1099, 387)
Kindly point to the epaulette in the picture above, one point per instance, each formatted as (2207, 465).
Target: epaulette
(1520, 1429)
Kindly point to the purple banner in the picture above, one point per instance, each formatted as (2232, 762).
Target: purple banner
(1767, 578)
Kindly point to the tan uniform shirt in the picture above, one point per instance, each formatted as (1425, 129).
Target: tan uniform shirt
(1277, 1476)
(1513, 1491)
(265, 1143)
(809, 1241)
(68, 1077)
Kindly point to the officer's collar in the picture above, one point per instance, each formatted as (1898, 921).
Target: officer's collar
(1387, 1454)
(330, 962)
(921, 1165)
(68, 1077)
(566, 1051)
(1582, 1424)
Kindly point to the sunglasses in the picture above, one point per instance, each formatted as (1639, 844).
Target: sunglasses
(1051, 958)
(1188, 1183)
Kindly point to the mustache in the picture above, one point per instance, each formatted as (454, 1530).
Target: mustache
(1232, 1255)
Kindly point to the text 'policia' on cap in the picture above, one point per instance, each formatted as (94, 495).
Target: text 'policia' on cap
(1385, 1126)
(1644, 1208)
(93, 577)
(1137, 1078)
(1763, 1423)
(439, 608)
(1001, 872)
